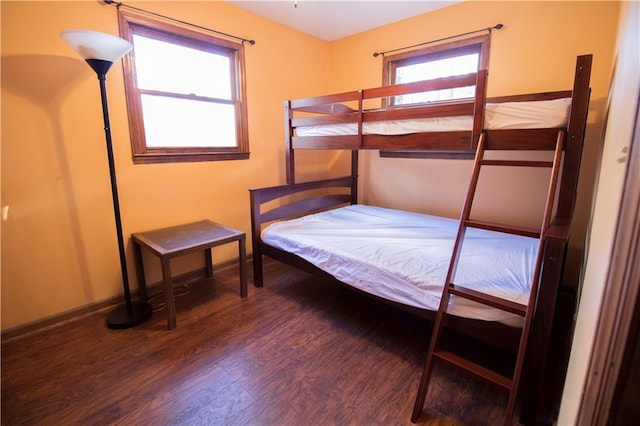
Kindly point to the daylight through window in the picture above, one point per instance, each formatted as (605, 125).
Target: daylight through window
(457, 65)
(185, 93)
(444, 60)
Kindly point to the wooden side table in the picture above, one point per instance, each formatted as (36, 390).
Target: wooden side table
(167, 243)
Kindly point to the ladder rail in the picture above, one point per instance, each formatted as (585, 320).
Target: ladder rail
(444, 299)
(548, 209)
(466, 211)
(510, 384)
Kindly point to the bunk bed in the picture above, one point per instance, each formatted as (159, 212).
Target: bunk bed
(291, 222)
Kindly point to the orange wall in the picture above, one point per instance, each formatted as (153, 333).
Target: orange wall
(59, 249)
(534, 52)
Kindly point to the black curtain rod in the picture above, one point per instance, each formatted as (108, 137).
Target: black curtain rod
(496, 27)
(119, 5)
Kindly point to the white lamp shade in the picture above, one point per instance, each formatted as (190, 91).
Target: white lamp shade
(96, 45)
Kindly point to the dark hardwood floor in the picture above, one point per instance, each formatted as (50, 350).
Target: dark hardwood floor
(295, 352)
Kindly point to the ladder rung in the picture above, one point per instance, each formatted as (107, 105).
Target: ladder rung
(488, 299)
(517, 163)
(473, 368)
(507, 229)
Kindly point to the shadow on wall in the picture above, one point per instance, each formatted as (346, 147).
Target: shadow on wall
(589, 166)
(44, 81)
(41, 79)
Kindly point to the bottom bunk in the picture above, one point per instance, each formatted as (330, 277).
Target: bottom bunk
(401, 258)
(396, 256)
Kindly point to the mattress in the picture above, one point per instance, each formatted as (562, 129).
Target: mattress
(404, 257)
(506, 115)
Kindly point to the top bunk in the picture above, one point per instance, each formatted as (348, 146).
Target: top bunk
(397, 117)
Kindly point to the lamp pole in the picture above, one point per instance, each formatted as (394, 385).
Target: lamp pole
(93, 47)
(132, 313)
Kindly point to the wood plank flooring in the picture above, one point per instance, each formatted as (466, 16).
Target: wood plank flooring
(295, 352)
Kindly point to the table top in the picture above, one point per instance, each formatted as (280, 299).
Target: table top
(188, 237)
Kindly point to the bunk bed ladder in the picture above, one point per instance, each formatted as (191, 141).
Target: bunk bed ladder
(435, 352)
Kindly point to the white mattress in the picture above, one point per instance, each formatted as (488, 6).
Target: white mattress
(507, 115)
(404, 257)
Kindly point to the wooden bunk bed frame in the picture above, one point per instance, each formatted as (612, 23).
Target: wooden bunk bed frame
(298, 199)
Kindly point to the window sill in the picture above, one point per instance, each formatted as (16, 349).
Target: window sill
(187, 158)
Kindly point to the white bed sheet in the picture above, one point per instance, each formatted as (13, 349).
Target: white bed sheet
(507, 115)
(403, 257)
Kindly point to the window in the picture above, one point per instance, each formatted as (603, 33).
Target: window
(444, 60)
(185, 93)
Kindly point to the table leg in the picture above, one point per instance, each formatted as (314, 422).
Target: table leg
(243, 266)
(209, 262)
(168, 293)
(142, 283)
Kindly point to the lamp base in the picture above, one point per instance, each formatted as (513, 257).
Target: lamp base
(120, 318)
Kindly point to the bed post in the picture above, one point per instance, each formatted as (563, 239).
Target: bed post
(575, 137)
(479, 106)
(543, 387)
(255, 240)
(288, 144)
(354, 152)
(354, 175)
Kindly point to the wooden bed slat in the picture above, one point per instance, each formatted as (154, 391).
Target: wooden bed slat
(264, 195)
(542, 96)
(441, 109)
(325, 120)
(332, 103)
(306, 206)
(312, 103)
(521, 139)
(440, 141)
(421, 86)
(326, 142)
(327, 109)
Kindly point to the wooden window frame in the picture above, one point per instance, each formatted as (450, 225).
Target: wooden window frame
(480, 44)
(130, 24)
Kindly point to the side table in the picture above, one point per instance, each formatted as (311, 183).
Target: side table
(167, 243)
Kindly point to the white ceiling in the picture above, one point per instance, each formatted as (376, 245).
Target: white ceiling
(333, 19)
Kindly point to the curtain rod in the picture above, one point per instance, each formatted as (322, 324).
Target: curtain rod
(120, 4)
(497, 27)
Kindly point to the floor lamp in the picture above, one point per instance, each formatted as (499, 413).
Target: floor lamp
(101, 51)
